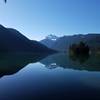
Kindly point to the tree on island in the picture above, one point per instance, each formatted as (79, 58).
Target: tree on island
(80, 48)
(79, 52)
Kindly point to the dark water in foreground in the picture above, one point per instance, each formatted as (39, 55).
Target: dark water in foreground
(56, 77)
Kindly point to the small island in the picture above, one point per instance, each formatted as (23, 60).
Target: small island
(79, 49)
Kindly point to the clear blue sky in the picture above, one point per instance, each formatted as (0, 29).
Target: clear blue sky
(39, 18)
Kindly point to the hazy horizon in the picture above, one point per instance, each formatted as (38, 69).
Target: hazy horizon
(39, 18)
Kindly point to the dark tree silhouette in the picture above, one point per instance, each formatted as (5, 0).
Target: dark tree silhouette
(80, 48)
(79, 52)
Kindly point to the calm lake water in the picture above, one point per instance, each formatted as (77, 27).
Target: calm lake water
(54, 77)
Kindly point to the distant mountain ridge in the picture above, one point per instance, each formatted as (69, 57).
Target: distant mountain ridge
(12, 40)
(63, 43)
(49, 40)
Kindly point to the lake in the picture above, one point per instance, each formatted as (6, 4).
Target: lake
(49, 77)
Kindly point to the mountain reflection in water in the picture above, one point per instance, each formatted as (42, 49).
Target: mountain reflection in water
(81, 62)
(36, 81)
(13, 62)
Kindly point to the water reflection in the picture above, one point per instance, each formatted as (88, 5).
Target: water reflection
(79, 62)
(35, 82)
(13, 62)
(81, 58)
